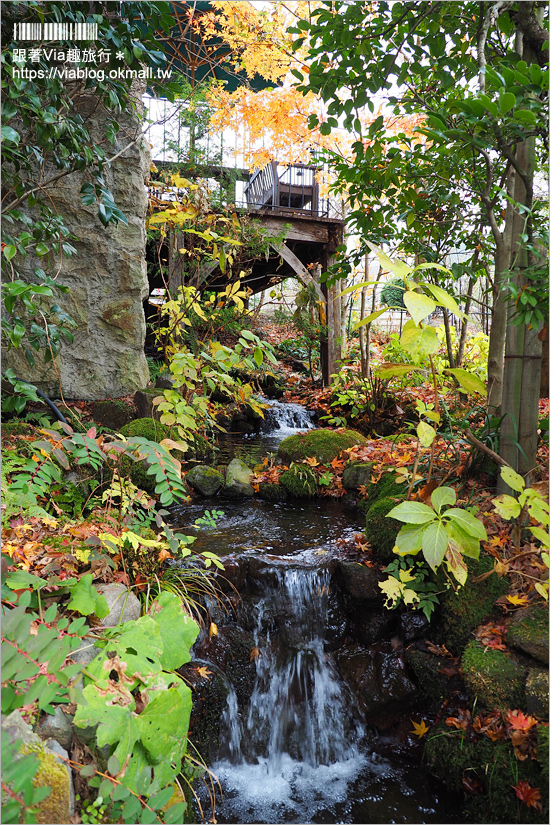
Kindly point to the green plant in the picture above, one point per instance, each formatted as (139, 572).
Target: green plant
(19, 795)
(94, 812)
(410, 583)
(530, 506)
(141, 706)
(364, 401)
(299, 480)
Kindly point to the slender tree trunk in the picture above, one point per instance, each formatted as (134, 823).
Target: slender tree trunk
(363, 336)
(448, 341)
(522, 363)
(464, 329)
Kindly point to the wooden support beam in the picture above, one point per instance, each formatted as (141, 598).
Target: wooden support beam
(310, 231)
(298, 267)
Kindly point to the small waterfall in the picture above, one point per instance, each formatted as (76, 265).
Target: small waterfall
(285, 416)
(296, 744)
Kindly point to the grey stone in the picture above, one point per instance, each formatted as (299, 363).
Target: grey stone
(536, 692)
(412, 625)
(57, 726)
(357, 474)
(15, 728)
(113, 414)
(107, 277)
(237, 479)
(124, 606)
(205, 480)
(359, 581)
(143, 401)
(372, 626)
(85, 654)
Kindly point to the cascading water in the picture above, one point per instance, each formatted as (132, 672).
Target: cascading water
(295, 748)
(285, 416)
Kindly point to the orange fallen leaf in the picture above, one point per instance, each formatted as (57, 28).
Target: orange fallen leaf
(255, 653)
(213, 630)
(164, 554)
(518, 720)
(204, 672)
(528, 794)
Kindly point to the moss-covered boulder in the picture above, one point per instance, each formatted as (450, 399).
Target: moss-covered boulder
(272, 492)
(58, 806)
(491, 769)
(359, 581)
(426, 669)
(299, 481)
(381, 531)
(113, 413)
(237, 479)
(205, 480)
(529, 632)
(462, 611)
(357, 474)
(16, 428)
(536, 692)
(388, 485)
(324, 445)
(493, 677)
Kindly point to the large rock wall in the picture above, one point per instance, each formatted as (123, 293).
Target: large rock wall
(107, 277)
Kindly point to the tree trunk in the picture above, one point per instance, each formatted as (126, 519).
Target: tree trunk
(448, 341)
(364, 336)
(464, 328)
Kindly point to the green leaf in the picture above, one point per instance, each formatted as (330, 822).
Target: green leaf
(419, 305)
(409, 539)
(160, 799)
(258, 356)
(426, 433)
(434, 543)
(467, 522)
(507, 507)
(7, 133)
(468, 545)
(525, 116)
(468, 381)
(394, 370)
(442, 297)
(419, 342)
(20, 579)
(413, 512)
(178, 631)
(399, 268)
(86, 600)
(370, 318)
(175, 813)
(506, 101)
(512, 479)
(442, 496)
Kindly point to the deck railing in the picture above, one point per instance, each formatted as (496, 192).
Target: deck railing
(291, 186)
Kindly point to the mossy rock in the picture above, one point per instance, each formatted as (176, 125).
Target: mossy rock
(387, 486)
(454, 757)
(324, 445)
(381, 531)
(425, 668)
(543, 751)
(357, 474)
(272, 492)
(529, 632)
(205, 480)
(16, 428)
(493, 677)
(462, 611)
(56, 807)
(536, 692)
(113, 413)
(299, 481)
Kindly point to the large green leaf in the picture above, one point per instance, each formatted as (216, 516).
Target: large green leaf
(370, 318)
(419, 342)
(468, 545)
(413, 512)
(426, 433)
(388, 370)
(434, 543)
(419, 305)
(409, 539)
(512, 479)
(399, 268)
(177, 630)
(467, 522)
(445, 299)
(86, 600)
(468, 381)
(507, 507)
(443, 496)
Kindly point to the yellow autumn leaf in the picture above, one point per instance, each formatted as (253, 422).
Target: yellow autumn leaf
(213, 631)
(204, 672)
(420, 728)
(518, 601)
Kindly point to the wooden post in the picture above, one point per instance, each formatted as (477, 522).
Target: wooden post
(331, 349)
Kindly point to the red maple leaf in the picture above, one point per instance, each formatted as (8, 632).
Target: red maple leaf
(526, 793)
(517, 720)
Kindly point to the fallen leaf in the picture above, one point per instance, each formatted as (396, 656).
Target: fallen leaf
(517, 601)
(517, 720)
(204, 672)
(528, 794)
(255, 654)
(420, 728)
(213, 631)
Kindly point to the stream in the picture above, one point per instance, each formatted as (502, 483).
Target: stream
(293, 746)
